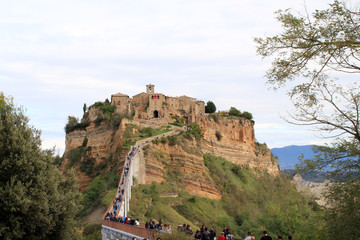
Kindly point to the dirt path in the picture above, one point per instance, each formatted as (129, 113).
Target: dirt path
(95, 216)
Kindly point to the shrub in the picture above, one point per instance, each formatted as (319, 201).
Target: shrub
(97, 104)
(163, 140)
(179, 122)
(75, 155)
(172, 140)
(85, 141)
(195, 130)
(234, 112)
(116, 120)
(73, 125)
(108, 108)
(87, 165)
(246, 115)
(215, 117)
(218, 135)
(146, 132)
(92, 229)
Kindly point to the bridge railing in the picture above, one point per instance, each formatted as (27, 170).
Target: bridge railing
(138, 231)
(124, 179)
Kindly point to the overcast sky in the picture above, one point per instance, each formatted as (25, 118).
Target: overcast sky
(57, 55)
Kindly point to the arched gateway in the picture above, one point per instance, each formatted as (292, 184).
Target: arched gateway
(156, 114)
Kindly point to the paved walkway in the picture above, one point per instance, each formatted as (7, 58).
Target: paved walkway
(123, 195)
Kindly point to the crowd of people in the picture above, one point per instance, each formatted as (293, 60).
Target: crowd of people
(113, 213)
(165, 228)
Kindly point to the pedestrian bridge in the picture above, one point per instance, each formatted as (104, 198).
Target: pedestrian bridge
(115, 230)
(120, 206)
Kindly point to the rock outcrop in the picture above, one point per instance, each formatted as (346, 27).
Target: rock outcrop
(237, 143)
(233, 139)
(316, 189)
(182, 162)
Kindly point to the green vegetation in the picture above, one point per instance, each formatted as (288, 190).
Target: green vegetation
(218, 135)
(108, 114)
(134, 133)
(92, 232)
(234, 112)
(178, 121)
(215, 117)
(37, 200)
(307, 49)
(210, 107)
(97, 190)
(194, 130)
(73, 124)
(261, 148)
(108, 108)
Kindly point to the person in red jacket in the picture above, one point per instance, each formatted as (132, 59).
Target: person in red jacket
(222, 236)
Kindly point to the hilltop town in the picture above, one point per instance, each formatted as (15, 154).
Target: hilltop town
(152, 105)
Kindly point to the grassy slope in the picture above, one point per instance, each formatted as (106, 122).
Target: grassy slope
(250, 201)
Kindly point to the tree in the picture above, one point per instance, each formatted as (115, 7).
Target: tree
(309, 49)
(37, 201)
(84, 108)
(311, 46)
(247, 115)
(234, 112)
(210, 107)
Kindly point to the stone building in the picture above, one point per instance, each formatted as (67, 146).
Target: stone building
(153, 105)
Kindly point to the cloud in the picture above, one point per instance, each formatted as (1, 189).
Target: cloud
(56, 56)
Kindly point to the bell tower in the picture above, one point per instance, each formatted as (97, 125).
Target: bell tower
(150, 88)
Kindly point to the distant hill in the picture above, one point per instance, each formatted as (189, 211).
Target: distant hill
(289, 156)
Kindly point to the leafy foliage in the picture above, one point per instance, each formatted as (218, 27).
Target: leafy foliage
(210, 107)
(307, 49)
(311, 45)
(234, 112)
(73, 124)
(37, 201)
(342, 217)
(246, 115)
(178, 121)
(96, 190)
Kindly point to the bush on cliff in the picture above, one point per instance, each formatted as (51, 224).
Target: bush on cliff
(73, 124)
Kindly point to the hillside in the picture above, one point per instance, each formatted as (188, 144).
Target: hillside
(250, 200)
(181, 179)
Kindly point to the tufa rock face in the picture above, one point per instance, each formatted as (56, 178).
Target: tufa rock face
(237, 143)
(103, 144)
(184, 161)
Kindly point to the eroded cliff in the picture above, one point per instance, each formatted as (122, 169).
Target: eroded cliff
(104, 147)
(234, 140)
